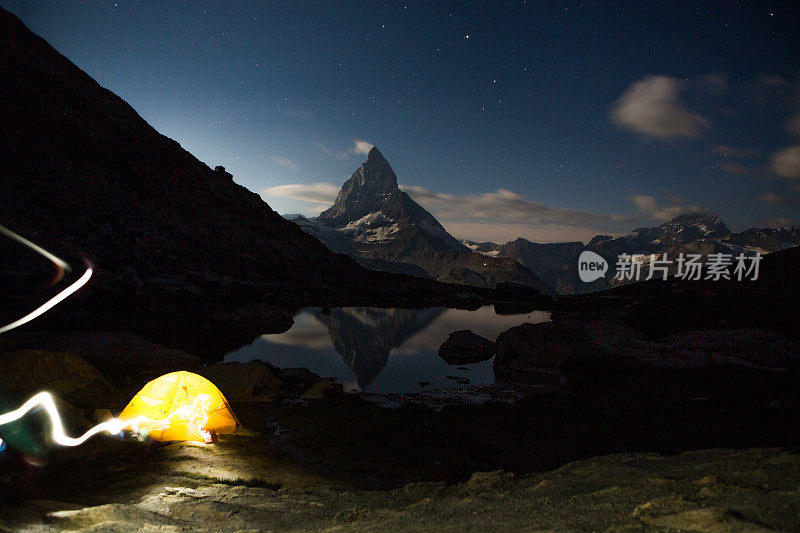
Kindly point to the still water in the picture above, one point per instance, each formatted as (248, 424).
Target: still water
(383, 350)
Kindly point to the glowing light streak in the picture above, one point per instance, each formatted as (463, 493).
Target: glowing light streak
(58, 298)
(51, 303)
(36, 248)
(195, 413)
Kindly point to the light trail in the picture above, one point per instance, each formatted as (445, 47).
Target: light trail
(36, 248)
(58, 298)
(194, 413)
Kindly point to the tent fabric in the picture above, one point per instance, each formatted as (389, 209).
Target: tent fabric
(168, 393)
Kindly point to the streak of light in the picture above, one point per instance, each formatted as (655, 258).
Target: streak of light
(195, 413)
(58, 298)
(36, 248)
(52, 302)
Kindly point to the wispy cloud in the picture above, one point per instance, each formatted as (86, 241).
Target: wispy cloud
(777, 199)
(332, 153)
(649, 207)
(361, 146)
(779, 222)
(786, 163)
(288, 164)
(652, 107)
(504, 215)
(319, 195)
(500, 206)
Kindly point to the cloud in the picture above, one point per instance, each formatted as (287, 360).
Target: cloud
(652, 107)
(501, 206)
(779, 222)
(786, 162)
(288, 164)
(359, 147)
(503, 215)
(332, 153)
(772, 198)
(320, 195)
(362, 147)
(649, 207)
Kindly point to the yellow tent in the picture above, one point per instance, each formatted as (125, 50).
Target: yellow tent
(179, 406)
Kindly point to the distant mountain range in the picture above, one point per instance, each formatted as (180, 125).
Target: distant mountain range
(699, 233)
(380, 226)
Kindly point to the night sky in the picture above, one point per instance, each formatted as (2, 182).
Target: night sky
(553, 121)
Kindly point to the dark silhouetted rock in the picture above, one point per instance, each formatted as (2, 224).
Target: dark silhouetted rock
(321, 389)
(466, 347)
(62, 373)
(243, 382)
(83, 173)
(525, 351)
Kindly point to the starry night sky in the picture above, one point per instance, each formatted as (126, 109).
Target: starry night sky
(550, 120)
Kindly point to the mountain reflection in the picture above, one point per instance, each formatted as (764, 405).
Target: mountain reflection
(364, 336)
(382, 350)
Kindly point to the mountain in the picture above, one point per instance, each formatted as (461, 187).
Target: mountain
(697, 233)
(364, 336)
(486, 248)
(84, 175)
(766, 240)
(539, 258)
(383, 228)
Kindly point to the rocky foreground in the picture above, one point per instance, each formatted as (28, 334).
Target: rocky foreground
(310, 457)
(239, 484)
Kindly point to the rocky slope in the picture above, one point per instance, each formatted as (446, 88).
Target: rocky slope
(537, 257)
(383, 228)
(84, 175)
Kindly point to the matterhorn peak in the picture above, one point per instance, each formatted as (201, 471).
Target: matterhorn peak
(376, 172)
(374, 155)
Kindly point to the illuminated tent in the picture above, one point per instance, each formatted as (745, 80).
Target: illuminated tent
(180, 406)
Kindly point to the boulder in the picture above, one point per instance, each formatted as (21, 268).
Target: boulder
(243, 382)
(62, 373)
(118, 355)
(321, 389)
(465, 347)
(296, 381)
